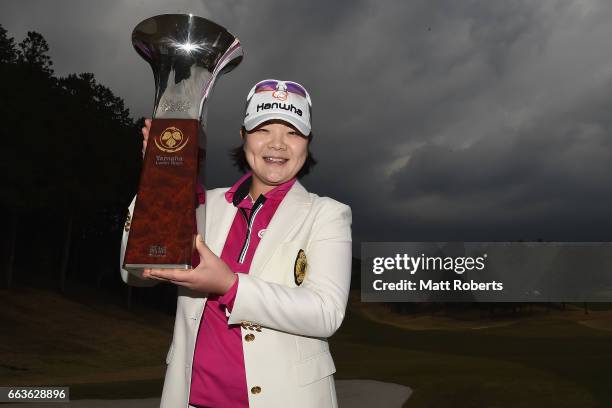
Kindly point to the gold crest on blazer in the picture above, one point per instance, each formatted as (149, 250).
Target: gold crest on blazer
(299, 269)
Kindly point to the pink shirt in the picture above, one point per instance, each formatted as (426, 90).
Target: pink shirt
(218, 377)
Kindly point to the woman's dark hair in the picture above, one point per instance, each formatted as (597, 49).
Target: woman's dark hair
(239, 159)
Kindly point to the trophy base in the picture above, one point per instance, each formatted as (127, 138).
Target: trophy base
(141, 267)
(163, 225)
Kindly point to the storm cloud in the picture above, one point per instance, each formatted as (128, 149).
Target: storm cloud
(433, 120)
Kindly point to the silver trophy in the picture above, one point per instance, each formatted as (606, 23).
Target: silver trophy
(187, 53)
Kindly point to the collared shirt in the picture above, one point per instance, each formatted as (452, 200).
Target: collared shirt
(218, 376)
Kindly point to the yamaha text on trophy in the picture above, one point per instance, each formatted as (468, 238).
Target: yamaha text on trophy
(187, 54)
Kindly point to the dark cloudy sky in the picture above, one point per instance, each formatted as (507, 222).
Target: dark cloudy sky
(434, 120)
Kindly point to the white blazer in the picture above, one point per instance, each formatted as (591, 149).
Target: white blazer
(287, 363)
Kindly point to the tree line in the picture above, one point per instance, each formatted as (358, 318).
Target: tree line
(70, 166)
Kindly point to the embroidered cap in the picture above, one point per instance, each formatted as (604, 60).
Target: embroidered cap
(273, 99)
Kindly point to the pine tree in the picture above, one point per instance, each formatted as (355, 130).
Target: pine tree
(33, 52)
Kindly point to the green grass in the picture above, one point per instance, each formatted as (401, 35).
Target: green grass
(104, 351)
(543, 361)
(82, 341)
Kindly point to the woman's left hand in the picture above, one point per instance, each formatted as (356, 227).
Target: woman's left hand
(212, 275)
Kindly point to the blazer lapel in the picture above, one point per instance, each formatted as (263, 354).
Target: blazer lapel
(218, 221)
(288, 216)
(214, 220)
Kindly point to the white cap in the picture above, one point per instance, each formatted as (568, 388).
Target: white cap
(273, 99)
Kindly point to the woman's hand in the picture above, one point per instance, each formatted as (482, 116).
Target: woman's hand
(212, 275)
(145, 135)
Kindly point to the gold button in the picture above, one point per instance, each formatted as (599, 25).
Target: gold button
(256, 389)
(249, 337)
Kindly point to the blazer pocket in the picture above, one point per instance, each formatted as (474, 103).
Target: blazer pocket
(315, 368)
(310, 346)
(170, 354)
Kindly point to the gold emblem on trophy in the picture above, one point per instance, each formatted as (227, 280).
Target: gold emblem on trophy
(171, 140)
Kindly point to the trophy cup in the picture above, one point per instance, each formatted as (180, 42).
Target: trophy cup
(187, 53)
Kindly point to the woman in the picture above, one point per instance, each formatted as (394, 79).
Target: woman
(273, 277)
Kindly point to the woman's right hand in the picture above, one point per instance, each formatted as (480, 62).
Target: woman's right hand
(145, 135)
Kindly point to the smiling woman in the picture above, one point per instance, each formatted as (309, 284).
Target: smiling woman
(275, 152)
(271, 277)
(240, 160)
